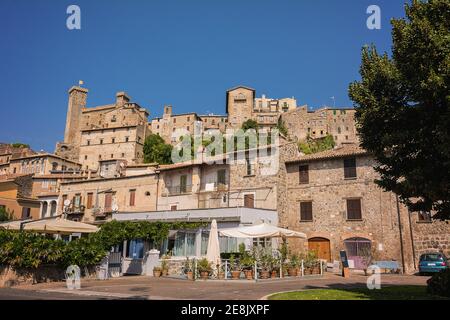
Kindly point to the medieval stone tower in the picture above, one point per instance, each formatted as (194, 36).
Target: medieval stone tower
(77, 101)
(239, 104)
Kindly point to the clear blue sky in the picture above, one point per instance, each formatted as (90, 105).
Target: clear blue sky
(186, 53)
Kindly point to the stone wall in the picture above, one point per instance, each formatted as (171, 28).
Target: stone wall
(328, 191)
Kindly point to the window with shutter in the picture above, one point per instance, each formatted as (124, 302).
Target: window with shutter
(89, 200)
(306, 211)
(350, 168)
(132, 197)
(303, 174)
(108, 201)
(354, 209)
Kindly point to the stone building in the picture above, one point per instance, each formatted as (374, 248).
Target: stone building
(113, 131)
(42, 164)
(332, 197)
(8, 152)
(172, 126)
(94, 200)
(16, 196)
(339, 123)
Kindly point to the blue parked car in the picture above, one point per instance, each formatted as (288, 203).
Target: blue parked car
(432, 262)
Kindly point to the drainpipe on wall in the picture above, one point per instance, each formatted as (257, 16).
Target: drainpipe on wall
(400, 233)
(412, 240)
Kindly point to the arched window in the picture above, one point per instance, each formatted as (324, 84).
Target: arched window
(44, 209)
(54, 166)
(53, 208)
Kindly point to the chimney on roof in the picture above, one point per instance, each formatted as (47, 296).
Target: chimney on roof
(168, 110)
(121, 99)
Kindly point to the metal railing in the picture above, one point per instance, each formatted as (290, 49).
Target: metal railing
(176, 190)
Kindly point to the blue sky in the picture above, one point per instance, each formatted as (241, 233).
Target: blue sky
(184, 53)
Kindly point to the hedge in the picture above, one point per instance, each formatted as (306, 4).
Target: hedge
(29, 250)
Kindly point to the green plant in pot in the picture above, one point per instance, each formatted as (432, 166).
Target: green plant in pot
(157, 271)
(265, 263)
(165, 265)
(293, 265)
(189, 268)
(248, 263)
(221, 271)
(274, 267)
(204, 267)
(310, 261)
(235, 268)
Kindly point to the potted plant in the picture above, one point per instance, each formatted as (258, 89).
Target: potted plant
(188, 269)
(205, 268)
(274, 267)
(221, 271)
(235, 268)
(157, 271)
(265, 262)
(293, 266)
(310, 261)
(165, 266)
(248, 263)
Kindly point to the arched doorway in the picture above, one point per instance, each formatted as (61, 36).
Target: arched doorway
(52, 208)
(44, 209)
(321, 246)
(356, 249)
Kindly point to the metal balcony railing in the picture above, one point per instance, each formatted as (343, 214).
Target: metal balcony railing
(176, 190)
(75, 209)
(214, 186)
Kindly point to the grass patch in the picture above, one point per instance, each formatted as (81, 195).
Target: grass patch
(386, 293)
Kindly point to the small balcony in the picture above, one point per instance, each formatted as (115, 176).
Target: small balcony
(177, 190)
(75, 210)
(214, 186)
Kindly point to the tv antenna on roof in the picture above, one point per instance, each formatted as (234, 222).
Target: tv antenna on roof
(334, 101)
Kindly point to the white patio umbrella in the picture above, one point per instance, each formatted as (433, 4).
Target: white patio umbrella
(57, 225)
(12, 225)
(262, 230)
(213, 251)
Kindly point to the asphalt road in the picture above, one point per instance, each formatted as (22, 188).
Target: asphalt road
(19, 294)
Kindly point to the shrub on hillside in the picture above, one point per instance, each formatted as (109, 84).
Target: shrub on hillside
(439, 284)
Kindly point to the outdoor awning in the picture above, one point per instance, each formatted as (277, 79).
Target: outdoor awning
(262, 230)
(59, 225)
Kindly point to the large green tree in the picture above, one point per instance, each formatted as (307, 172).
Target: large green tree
(403, 108)
(156, 150)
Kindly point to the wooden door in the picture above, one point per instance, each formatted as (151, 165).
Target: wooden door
(321, 246)
(249, 201)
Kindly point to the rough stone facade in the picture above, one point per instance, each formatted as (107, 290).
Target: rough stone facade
(340, 123)
(114, 131)
(394, 233)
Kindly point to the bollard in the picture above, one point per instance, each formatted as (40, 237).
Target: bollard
(321, 268)
(226, 269)
(195, 269)
(281, 269)
(303, 269)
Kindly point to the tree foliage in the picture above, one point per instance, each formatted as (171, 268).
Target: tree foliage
(249, 124)
(316, 145)
(403, 108)
(30, 250)
(156, 150)
(5, 214)
(20, 145)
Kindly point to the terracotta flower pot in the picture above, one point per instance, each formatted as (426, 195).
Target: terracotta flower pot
(292, 272)
(190, 275)
(204, 275)
(249, 274)
(156, 274)
(274, 274)
(264, 274)
(221, 275)
(235, 275)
